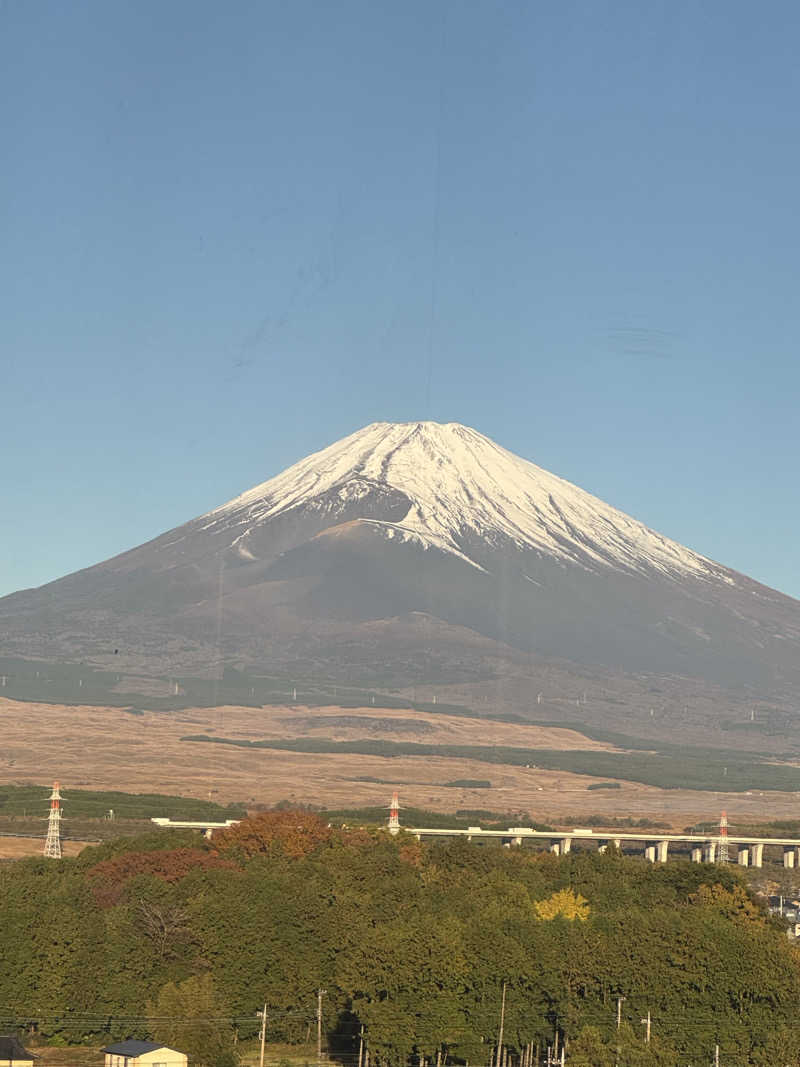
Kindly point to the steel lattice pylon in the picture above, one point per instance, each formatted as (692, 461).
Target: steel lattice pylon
(722, 847)
(52, 846)
(394, 815)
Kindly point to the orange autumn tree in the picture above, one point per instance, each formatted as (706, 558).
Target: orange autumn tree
(109, 878)
(289, 833)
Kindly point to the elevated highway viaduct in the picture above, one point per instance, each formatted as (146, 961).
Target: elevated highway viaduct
(703, 848)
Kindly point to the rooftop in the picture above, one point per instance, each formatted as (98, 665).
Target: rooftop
(11, 1049)
(132, 1048)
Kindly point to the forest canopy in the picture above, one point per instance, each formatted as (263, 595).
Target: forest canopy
(413, 942)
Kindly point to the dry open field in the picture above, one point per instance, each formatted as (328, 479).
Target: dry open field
(106, 748)
(14, 848)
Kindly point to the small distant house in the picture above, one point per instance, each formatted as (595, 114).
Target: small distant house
(12, 1054)
(142, 1054)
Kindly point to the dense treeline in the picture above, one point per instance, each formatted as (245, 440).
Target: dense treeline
(461, 820)
(91, 803)
(412, 941)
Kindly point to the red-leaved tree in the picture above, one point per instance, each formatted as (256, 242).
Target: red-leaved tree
(109, 878)
(290, 833)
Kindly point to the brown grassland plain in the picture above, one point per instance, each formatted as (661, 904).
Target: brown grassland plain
(14, 848)
(109, 748)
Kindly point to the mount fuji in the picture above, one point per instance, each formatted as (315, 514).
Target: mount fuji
(410, 553)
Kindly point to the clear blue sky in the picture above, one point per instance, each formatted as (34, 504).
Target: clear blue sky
(233, 233)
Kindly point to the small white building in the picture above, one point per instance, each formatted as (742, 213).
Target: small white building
(143, 1054)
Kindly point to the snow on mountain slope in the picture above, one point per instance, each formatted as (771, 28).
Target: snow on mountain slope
(461, 485)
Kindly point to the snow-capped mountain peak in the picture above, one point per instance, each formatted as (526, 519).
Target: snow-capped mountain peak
(418, 551)
(459, 485)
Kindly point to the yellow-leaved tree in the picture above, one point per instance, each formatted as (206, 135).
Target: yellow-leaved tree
(565, 904)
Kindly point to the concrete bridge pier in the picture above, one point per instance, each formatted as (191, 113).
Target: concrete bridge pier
(517, 841)
(650, 853)
(790, 856)
(615, 841)
(710, 851)
(562, 846)
(751, 856)
(662, 848)
(697, 855)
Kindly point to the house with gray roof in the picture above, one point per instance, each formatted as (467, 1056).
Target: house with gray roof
(142, 1054)
(12, 1054)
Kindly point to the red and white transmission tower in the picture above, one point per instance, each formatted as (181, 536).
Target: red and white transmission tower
(722, 847)
(52, 846)
(394, 815)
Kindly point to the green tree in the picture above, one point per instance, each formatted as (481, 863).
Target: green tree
(190, 1017)
(590, 1050)
(634, 1052)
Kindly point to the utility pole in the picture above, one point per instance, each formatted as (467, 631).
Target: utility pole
(361, 1046)
(646, 1024)
(502, 1024)
(716, 1055)
(620, 999)
(320, 994)
(263, 1015)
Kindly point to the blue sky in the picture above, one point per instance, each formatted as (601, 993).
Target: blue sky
(235, 233)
